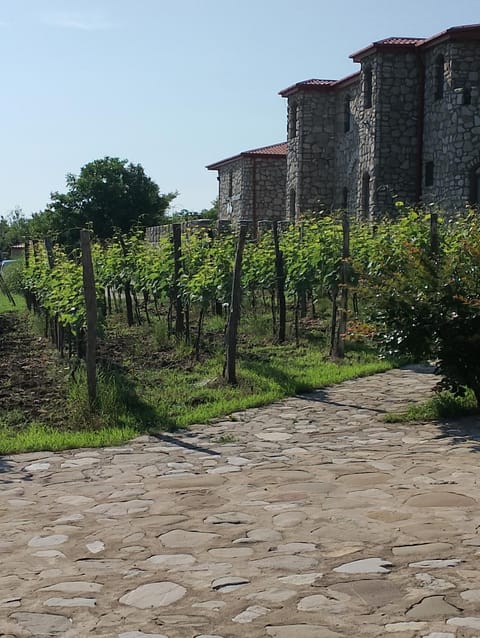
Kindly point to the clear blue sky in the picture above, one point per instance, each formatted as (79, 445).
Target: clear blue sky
(172, 84)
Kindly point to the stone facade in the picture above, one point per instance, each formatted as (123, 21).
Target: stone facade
(252, 184)
(405, 127)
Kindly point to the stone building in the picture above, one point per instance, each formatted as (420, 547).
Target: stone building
(406, 126)
(251, 185)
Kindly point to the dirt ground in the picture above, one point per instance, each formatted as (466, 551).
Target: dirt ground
(32, 382)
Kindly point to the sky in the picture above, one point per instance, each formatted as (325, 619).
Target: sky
(172, 85)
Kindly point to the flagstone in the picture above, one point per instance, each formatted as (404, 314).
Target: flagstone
(365, 566)
(48, 541)
(140, 634)
(169, 560)
(301, 579)
(301, 631)
(154, 595)
(250, 614)
(440, 499)
(273, 436)
(230, 518)
(70, 602)
(375, 593)
(185, 538)
(74, 587)
(41, 625)
(229, 583)
(471, 595)
(430, 608)
(289, 519)
(470, 622)
(437, 563)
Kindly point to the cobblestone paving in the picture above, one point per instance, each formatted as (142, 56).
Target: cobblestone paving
(310, 518)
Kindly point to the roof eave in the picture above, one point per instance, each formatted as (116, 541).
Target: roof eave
(465, 32)
(300, 86)
(378, 46)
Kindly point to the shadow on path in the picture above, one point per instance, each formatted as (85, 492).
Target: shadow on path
(7, 466)
(461, 430)
(321, 396)
(166, 438)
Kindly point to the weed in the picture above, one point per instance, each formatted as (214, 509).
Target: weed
(160, 332)
(224, 439)
(443, 405)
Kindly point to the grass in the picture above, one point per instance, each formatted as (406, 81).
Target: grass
(443, 405)
(151, 390)
(38, 436)
(7, 306)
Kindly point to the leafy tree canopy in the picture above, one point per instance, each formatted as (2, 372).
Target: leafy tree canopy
(108, 194)
(13, 229)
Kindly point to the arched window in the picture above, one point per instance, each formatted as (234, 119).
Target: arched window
(347, 114)
(292, 121)
(345, 198)
(366, 195)
(230, 184)
(439, 76)
(293, 203)
(367, 87)
(475, 186)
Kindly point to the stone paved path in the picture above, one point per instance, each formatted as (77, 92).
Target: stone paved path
(310, 518)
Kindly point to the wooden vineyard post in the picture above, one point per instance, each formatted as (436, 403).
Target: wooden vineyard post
(234, 316)
(339, 330)
(177, 260)
(127, 288)
(91, 311)
(342, 324)
(280, 285)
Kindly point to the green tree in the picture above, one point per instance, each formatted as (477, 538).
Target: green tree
(13, 230)
(109, 194)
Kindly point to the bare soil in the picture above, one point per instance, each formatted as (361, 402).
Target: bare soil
(32, 381)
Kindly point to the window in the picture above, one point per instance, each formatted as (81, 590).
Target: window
(475, 186)
(429, 173)
(293, 121)
(293, 203)
(366, 195)
(439, 76)
(230, 184)
(467, 95)
(347, 114)
(367, 87)
(345, 198)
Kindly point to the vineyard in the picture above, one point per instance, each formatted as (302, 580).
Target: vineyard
(327, 287)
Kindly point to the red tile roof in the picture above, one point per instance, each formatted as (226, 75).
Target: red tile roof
(272, 151)
(400, 41)
(312, 84)
(394, 43)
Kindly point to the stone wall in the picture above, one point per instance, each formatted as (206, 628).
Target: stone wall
(452, 128)
(398, 129)
(267, 201)
(347, 147)
(270, 175)
(311, 155)
(231, 190)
